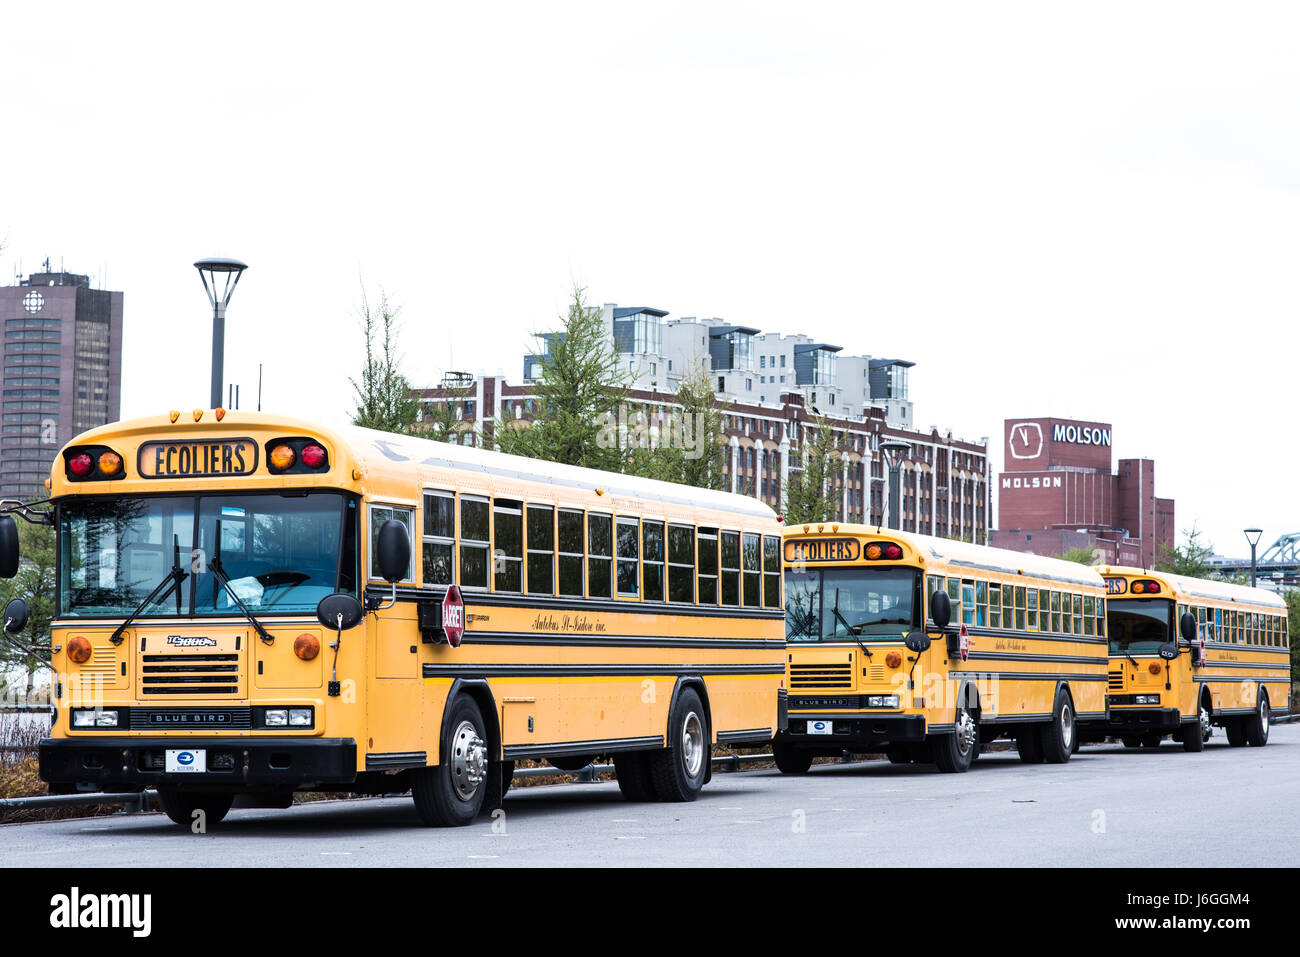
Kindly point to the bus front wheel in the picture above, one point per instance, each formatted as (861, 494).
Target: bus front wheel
(679, 770)
(1195, 735)
(196, 810)
(451, 793)
(789, 759)
(953, 753)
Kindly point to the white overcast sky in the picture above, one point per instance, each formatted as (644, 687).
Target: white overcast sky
(1084, 210)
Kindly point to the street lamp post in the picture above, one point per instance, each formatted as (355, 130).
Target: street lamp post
(229, 270)
(893, 450)
(1252, 536)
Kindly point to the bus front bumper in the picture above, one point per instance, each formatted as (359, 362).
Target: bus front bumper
(853, 732)
(1137, 720)
(238, 763)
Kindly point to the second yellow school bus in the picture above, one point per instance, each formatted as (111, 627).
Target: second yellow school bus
(1189, 654)
(251, 604)
(924, 648)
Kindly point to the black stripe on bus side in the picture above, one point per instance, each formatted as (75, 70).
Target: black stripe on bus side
(618, 641)
(977, 630)
(1240, 679)
(590, 605)
(1258, 665)
(740, 737)
(515, 751)
(1028, 676)
(393, 760)
(432, 670)
(1026, 656)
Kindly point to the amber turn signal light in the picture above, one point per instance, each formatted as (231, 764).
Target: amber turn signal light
(79, 649)
(1154, 667)
(283, 457)
(893, 659)
(110, 463)
(306, 646)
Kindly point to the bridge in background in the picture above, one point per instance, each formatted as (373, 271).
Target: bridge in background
(1278, 566)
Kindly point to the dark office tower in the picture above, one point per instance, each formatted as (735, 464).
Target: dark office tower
(62, 372)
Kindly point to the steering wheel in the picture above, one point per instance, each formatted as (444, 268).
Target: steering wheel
(281, 577)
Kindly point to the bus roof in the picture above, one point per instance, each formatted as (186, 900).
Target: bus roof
(1206, 588)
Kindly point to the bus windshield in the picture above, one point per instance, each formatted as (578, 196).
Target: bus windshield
(281, 553)
(835, 604)
(1139, 626)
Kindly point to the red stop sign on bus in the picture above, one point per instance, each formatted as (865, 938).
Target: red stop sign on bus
(453, 616)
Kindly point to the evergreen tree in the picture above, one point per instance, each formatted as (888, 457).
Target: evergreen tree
(35, 583)
(581, 383)
(689, 448)
(383, 396)
(1084, 556)
(807, 492)
(1190, 559)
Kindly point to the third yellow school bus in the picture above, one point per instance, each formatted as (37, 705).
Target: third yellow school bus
(1188, 654)
(250, 604)
(925, 648)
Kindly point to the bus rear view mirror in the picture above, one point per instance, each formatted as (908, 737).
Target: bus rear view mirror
(394, 551)
(917, 641)
(340, 603)
(1168, 651)
(940, 609)
(16, 614)
(1187, 626)
(8, 546)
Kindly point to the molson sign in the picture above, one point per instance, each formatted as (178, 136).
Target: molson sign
(1033, 444)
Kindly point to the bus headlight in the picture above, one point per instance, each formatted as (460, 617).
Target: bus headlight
(1147, 699)
(275, 717)
(91, 718)
(300, 717)
(882, 701)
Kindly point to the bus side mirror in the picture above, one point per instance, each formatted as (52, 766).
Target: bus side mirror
(1168, 651)
(340, 603)
(394, 550)
(17, 614)
(940, 609)
(8, 546)
(917, 641)
(1187, 626)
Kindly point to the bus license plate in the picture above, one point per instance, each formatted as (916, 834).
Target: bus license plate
(819, 727)
(185, 762)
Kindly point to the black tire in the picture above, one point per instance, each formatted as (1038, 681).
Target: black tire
(1132, 741)
(953, 753)
(181, 805)
(447, 794)
(791, 760)
(1029, 745)
(679, 770)
(570, 763)
(1058, 735)
(634, 780)
(499, 774)
(1196, 733)
(1236, 732)
(1256, 726)
(1152, 740)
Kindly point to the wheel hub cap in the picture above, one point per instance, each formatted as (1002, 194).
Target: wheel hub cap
(966, 732)
(468, 760)
(693, 743)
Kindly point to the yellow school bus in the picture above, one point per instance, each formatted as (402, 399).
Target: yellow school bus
(250, 604)
(1187, 654)
(926, 648)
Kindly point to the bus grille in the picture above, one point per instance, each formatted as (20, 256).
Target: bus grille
(821, 676)
(1117, 680)
(190, 674)
(168, 719)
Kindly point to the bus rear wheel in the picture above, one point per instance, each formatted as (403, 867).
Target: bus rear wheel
(1195, 735)
(1029, 745)
(1236, 733)
(1058, 734)
(450, 794)
(678, 771)
(1256, 725)
(184, 807)
(791, 760)
(633, 772)
(1132, 741)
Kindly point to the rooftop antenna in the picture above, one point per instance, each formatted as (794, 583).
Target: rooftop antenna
(259, 387)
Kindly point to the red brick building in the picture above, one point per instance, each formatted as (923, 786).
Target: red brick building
(1059, 491)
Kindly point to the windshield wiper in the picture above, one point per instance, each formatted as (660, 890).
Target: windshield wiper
(172, 580)
(844, 621)
(219, 574)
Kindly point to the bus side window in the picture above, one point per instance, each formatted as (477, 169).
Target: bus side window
(995, 605)
(707, 564)
(968, 602)
(600, 555)
(1216, 630)
(541, 550)
(508, 542)
(1089, 614)
(1044, 610)
(981, 603)
(933, 583)
(439, 538)
(1078, 614)
(1056, 612)
(473, 542)
(569, 564)
(751, 569)
(652, 560)
(1020, 607)
(681, 563)
(771, 571)
(1101, 616)
(729, 548)
(1008, 605)
(378, 515)
(627, 545)
(1067, 623)
(954, 597)
(1031, 610)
